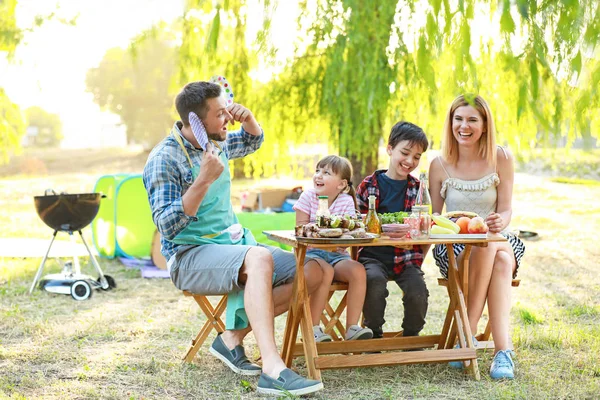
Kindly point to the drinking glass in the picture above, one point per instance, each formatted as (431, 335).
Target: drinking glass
(414, 225)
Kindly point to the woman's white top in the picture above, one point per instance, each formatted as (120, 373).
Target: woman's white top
(479, 195)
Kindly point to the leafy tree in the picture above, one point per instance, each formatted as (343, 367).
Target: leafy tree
(11, 120)
(136, 85)
(215, 42)
(10, 34)
(12, 125)
(368, 64)
(49, 126)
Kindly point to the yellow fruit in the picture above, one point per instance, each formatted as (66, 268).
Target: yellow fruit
(438, 230)
(445, 223)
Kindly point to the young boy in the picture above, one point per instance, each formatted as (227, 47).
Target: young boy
(395, 190)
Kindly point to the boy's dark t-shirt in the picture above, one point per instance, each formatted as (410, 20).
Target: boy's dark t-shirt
(392, 194)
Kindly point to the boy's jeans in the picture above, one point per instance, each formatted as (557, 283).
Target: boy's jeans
(415, 296)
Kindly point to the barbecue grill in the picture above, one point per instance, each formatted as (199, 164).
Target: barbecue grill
(70, 213)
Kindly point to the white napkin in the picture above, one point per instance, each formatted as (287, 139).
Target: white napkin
(198, 130)
(235, 231)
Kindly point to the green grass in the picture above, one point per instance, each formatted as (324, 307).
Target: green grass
(584, 310)
(529, 317)
(128, 343)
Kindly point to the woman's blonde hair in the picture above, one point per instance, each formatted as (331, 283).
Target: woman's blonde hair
(487, 142)
(340, 166)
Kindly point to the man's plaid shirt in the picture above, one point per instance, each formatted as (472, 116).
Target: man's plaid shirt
(370, 186)
(167, 176)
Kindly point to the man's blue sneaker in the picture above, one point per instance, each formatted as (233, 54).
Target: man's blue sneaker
(460, 364)
(503, 366)
(235, 359)
(288, 382)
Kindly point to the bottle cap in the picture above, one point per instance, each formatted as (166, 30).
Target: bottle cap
(323, 197)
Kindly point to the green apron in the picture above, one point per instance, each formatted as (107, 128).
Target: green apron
(215, 215)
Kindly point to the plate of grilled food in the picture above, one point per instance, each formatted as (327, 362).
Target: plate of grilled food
(334, 230)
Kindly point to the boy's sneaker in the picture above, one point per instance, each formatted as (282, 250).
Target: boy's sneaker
(460, 364)
(355, 332)
(235, 359)
(321, 336)
(288, 382)
(503, 366)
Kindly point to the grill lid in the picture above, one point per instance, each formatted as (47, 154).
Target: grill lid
(67, 212)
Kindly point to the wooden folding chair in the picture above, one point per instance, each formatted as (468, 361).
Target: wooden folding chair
(482, 338)
(213, 315)
(331, 317)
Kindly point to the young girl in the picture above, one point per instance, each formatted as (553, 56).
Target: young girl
(333, 179)
(473, 174)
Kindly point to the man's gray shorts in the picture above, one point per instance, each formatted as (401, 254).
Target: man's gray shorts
(214, 268)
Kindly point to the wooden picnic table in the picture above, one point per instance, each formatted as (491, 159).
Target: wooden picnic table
(350, 354)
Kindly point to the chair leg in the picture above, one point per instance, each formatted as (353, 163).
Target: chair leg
(213, 316)
(326, 317)
(487, 332)
(335, 319)
(330, 318)
(485, 340)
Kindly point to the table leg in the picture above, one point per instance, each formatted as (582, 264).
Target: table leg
(455, 287)
(304, 318)
(308, 342)
(291, 330)
(464, 271)
(300, 316)
(460, 333)
(354, 253)
(299, 296)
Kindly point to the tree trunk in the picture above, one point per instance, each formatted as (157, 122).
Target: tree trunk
(362, 168)
(238, 169)
(366, 164)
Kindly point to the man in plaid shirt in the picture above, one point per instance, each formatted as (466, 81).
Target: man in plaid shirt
(395, 190)
(188, 183)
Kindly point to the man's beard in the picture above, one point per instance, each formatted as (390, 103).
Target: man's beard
(216, 136)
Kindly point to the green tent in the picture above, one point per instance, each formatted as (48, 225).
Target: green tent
(123, 226)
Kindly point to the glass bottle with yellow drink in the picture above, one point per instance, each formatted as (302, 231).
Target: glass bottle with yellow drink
(372, 223)
(423, 197)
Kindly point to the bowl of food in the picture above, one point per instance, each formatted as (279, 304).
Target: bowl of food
(395, 231)
(394, 227)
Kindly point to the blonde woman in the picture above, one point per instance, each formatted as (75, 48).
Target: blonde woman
(474, 174)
